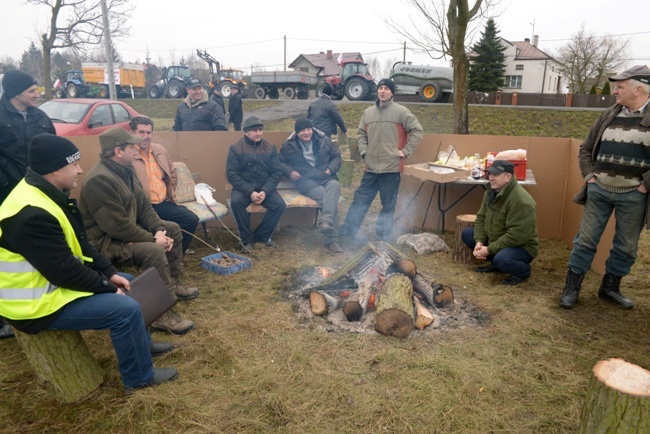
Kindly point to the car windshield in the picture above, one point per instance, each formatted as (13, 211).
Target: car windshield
(66, 112)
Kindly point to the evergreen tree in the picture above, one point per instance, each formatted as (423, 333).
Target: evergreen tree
(606, 89)
(488, 64)
(593, 90)
(31, 62)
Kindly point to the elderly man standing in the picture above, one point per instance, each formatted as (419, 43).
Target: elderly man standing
(235, 108)
(505, 230)
(197, 112)
(614, 161)
(254, 171)
(325, 114)
(388, 133)
(123, 226)
(158, 177)
(53, 279)
(312, 161)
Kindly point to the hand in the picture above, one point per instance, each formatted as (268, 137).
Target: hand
(591, 180)
(401, 154)
(328, 171)
(480, 251)
(163, 240)
(347, 134)
(261, 196)
(642, 189)
(253, 197)
(294, 175)
(122, 283)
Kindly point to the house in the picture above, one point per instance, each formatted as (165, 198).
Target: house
(529, 69)
(322, 64)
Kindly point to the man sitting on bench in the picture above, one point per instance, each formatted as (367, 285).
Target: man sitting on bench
(53, 279)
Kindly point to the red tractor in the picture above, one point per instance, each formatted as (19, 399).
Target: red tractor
(353, 81)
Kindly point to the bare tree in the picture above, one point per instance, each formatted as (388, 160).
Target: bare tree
(588, 57)
(448, 26)
(77, 24)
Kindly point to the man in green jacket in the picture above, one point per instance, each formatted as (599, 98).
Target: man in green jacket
(505, 230)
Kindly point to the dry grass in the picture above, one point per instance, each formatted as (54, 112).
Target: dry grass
(252, 366)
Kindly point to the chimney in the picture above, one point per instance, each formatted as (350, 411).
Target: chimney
(535, 40)
(527, 40)
(329, 54)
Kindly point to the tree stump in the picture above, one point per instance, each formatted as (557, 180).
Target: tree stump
(395, 316)
(462, 253)
(63, 363)
(345, 174)
(618, 399)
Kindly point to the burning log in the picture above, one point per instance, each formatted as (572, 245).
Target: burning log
(322, 303)
(423, 289)
(423, 315)
(443, 296)
(395, 315)
(356, 305)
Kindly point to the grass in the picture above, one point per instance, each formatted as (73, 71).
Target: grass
(254, 366)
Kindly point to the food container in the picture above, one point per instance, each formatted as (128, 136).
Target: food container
(436, 172)
(208, 263)
(520, 167)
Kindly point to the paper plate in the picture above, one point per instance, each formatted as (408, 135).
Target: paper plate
(441, 170)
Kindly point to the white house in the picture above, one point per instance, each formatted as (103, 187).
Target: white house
(529, 69)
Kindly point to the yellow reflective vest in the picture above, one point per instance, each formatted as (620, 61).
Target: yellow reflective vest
(24, 292)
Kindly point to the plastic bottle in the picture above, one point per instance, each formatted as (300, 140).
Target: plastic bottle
(476, 168)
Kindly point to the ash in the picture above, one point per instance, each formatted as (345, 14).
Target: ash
(459, 315)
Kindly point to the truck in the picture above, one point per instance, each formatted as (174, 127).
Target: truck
(172, 84)
(353, 81)
(292, 83)
(430, 83)
(223, 78)
(129, 78)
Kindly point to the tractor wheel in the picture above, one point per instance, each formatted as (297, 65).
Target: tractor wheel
(226, 89)
(154, 92)
(289, 93)
(59, 92)
(303, 93)
(274, 93)
(356, 89)
(260, 93)
(430, 92)
(103, 92)
(73, 91)
(175, 89)
(319, 91)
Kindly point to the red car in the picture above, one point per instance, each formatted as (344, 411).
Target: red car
(87, 116)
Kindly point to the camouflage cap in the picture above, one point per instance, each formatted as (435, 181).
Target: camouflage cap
(117, 136)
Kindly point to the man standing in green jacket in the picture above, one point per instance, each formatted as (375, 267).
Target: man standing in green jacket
(388, 133)
(505, 230)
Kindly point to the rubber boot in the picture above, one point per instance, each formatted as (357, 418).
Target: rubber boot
(610, 291)
(571, 289)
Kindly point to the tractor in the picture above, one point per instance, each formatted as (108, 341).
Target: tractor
(353, 81)
(172, 84)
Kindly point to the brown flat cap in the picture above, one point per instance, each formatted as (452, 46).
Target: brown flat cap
(637, 72)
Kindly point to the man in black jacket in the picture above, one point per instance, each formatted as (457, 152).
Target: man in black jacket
(235, 108)
(197, 112)
(58, 280)
(218, 98)
(254, 171)
(325, 115)
(311, 160)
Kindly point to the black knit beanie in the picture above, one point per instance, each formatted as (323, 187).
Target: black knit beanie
(16, 82)
(301, 124)
(327, 89)
(48, 153)
(251, 123)
(388, 83)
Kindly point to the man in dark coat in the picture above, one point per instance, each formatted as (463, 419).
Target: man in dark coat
(325, 115)
(311, 160)
(254, 171)
(235, 108)
(218, 98)
(197, 112)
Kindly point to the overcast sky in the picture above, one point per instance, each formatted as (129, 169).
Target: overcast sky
(252, 32)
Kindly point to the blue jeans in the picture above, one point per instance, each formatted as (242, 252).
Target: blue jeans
(629, 210)
(387, 184)
(510, 260)
(123, 317)
(186, 219)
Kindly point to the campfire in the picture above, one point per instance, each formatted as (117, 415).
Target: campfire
(379, 289)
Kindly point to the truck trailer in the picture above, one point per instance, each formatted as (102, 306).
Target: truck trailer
(291, 83)
(430, 83)
(129, 78)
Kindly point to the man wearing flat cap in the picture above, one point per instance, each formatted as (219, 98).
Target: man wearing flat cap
(505, 230)
(253, 170)
(312, 161)
(124, 227)
(235, 108)
(54, 279)
(614, 161)
(197, 112)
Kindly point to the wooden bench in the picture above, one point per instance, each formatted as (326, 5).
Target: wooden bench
(184, 196)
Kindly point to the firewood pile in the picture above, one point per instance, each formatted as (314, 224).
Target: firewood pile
(382, 290)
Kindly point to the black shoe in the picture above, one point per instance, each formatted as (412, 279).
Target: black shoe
(571, 289)
(487, 269)
(159, 348)
(335, 247)
(160, 376)
(513, 280)
(327, 229)
(6, 332)
(270, 243)
(248, 248)
(610, 291)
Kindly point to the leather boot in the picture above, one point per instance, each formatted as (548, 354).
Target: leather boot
(610, 291)
(183, 292)
(171, 322)
(571, 289)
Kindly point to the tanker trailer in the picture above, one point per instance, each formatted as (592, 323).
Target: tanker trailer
(431, 83)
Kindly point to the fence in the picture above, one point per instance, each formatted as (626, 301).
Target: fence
(541, 99)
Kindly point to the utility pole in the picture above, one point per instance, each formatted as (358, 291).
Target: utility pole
(285, 52)
(404, 55)
(108, 52)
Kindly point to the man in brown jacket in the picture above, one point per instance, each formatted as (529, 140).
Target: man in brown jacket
(123, 226)
(158, 177)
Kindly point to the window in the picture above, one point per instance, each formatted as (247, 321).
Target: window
(519, 67)
(513, 81)
(120, 113)
(101, 116)
(304, 69)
